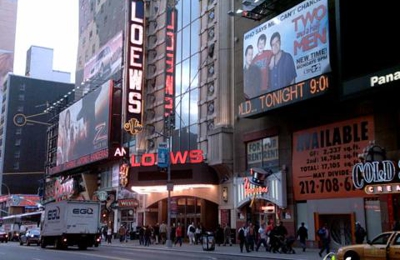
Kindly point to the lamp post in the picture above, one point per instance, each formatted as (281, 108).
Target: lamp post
(163, 161)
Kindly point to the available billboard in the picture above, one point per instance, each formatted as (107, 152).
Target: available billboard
(83, 129)
(106, 61)
(323, 158)
(288, 49)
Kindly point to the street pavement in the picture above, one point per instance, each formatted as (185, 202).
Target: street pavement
(309, 254)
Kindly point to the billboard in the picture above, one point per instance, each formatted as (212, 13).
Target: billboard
(360, 71)
(287, 49)
(83, 129)
(323, 158)
(283, 55)
(105, 62)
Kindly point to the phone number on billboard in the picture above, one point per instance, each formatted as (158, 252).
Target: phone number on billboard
(326, 185)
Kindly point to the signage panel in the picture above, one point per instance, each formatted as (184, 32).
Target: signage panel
(323, 158)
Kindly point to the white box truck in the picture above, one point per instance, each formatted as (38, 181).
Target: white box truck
(71, 223)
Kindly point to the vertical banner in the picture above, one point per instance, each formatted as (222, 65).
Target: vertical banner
(134, 68)
(170, 49)
(323, 158)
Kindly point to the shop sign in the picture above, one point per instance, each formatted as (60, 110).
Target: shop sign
(179, 157)
(250, 189)
(274, 190)
(376, 177)
(128, 203)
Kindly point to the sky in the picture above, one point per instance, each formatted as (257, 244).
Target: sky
(48, 23)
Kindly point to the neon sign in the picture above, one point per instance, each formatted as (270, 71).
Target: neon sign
(252, 189)
(135, 57)
(179, 157)
(170, 63)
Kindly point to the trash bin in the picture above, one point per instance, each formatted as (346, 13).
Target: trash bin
(208, 241)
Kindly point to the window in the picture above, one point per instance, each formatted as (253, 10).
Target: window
(16, 166)
(263, 153)
(18, 142)
(21, 97)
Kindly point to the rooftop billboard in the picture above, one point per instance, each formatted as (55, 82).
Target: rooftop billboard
(105, 62)
(289, 49)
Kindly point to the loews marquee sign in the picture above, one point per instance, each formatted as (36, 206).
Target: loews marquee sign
(135, 58)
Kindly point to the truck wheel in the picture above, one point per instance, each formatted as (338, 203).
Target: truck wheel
(42, 244)
(57, 243)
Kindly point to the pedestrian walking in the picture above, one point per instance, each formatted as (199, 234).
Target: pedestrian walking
(163, 232)
(325, 238)
(263, 237)
(121, 233)
(359, 233)
(109, 235)
(227, 235)
(302, 234)
(242, 239)
(178, 234)
(190, 232)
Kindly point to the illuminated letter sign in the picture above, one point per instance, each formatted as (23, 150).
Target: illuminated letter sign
(170, 63)
(134, 67)
(179, 157)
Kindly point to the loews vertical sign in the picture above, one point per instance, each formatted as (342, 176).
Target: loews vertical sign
(134, 67)
(170, 62)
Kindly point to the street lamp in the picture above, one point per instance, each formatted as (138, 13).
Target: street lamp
(163, 161)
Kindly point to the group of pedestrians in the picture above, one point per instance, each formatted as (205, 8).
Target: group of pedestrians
(272, 237)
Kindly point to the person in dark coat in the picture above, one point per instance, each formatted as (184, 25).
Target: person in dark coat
(359, 233)
(302, 234)
(242, 239)
(219, 235)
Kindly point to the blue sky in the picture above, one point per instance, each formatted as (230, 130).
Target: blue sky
(51, 24)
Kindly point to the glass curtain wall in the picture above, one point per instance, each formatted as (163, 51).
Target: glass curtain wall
(187, 75)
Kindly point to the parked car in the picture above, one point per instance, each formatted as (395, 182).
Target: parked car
(30, 237)
(384, 246)
(3, 236)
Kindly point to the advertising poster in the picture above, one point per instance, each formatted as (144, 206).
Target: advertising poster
(288, 49)
(105, 62)
(323, 158)
(84, 128)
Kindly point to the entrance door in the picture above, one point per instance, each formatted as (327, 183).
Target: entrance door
(341, 227)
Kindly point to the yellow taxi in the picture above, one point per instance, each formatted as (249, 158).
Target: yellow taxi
(384, 246)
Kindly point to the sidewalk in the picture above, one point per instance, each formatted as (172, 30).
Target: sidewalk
(310, 254)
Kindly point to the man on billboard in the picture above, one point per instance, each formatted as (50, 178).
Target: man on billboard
(251, 75)
(282, 69)
(262, 61)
